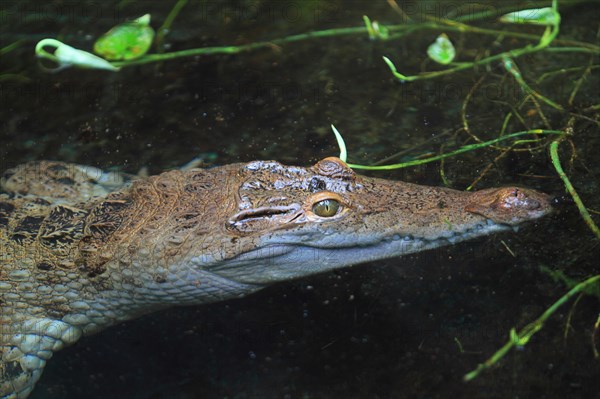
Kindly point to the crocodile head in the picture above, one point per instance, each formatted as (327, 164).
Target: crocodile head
(287, 222)
(80, 261)
(227, 231)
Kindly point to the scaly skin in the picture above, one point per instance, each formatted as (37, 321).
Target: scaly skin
(81, 250)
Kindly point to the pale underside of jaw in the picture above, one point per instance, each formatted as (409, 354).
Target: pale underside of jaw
(285, 258)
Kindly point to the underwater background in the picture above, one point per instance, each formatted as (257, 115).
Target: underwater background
(408, 327)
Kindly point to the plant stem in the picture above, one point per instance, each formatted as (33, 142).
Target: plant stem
(166, 26)
(547, 38)
(466, 148)
(582, 209)
(522, 337)
(238, 49)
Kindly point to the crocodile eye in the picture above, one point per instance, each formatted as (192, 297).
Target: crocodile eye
(326, 208)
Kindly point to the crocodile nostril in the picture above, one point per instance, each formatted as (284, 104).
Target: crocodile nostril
(533, 204)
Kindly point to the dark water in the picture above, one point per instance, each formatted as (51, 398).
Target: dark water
(383, 330)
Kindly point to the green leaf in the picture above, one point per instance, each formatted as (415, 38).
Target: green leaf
(537, 16)
(442, 50)
(127, 41)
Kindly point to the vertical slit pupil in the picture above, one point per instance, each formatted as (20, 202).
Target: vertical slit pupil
(326, 208)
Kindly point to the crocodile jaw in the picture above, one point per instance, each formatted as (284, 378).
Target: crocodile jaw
(285, 259)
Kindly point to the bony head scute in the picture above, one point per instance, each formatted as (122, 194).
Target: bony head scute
(334, 168)
(325, 204)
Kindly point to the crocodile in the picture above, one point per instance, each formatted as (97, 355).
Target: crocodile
(82, 249)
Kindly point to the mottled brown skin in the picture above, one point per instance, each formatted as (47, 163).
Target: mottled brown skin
(81, 250)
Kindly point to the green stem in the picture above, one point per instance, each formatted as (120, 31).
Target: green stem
(238, 49)
(461, 67)
(11, 47)
(166, 26)
(582, 209)
(522, 337)
(547, 38)
(565, 70)
(572, 50)
(401, 29)
(466, 148)
(512, 68)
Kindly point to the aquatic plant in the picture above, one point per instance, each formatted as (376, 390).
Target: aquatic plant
(126, 41)
(444, 54)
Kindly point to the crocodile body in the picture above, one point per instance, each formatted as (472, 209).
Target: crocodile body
(81, 250)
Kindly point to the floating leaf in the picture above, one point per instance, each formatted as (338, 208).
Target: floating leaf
(537, 16)
(442, 50)
(127, 41)
(67, 56)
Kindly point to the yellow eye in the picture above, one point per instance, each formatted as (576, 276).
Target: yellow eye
(326, 208)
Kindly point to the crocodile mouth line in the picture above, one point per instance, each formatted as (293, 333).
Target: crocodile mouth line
(276, 249)
(448, 237)
(453, 236)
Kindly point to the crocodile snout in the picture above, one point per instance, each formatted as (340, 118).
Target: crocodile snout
(510, 205)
